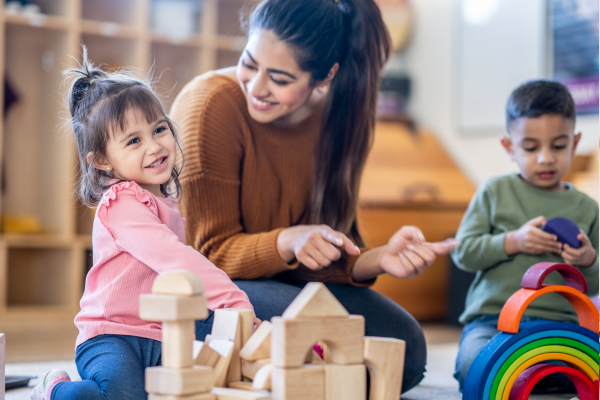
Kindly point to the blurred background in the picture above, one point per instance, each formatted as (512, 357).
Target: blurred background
(441, 112)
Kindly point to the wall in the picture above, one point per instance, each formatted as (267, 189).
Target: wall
(430, 59)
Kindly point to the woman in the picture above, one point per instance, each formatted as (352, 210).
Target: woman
(275, 148)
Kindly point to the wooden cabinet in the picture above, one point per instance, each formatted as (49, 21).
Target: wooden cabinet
(410, 180)
(46, 233)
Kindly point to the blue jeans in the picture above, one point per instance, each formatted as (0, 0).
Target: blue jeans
(112, 366)
(477, 334)
(383, 317)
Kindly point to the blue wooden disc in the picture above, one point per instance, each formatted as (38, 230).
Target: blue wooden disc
(565, 229)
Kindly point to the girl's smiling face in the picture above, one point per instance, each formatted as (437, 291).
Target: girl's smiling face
(276, 89)
(144, 152)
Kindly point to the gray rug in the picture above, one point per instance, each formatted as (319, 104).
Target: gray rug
(437, 385)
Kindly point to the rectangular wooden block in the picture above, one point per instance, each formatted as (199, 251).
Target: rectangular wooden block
(225, 350)
(259, 344)
(228, 323)
(292, 339)
(262, 378)
(250, 368)
(346, 382)
(205, 355)
(200, 396)
(303, 383)
(161, 380)
(384, 357)
(177, 344)
(235, 394)
(164, 307)
(241, 385)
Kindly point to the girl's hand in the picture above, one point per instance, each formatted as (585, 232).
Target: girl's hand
(583, 256)
(315, 246)
(408, 254)
(257, 323)
(531, 240)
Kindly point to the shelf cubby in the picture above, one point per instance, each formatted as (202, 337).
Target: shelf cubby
(37, 156)
(125, 12)
(39, 277)
(113, 53)
(231, 14)
(227, 58)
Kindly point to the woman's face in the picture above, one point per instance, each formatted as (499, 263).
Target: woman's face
(276, 89)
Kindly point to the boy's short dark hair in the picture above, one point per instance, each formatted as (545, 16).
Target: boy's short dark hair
(537, 98)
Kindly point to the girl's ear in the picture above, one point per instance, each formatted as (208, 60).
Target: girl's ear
(100, 162)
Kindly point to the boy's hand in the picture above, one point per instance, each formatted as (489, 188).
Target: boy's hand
(583, 256)
(531, 240)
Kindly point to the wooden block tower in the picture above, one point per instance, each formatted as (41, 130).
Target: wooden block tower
(177, 300)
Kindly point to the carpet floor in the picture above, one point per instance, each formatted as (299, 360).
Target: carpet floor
(437, 385)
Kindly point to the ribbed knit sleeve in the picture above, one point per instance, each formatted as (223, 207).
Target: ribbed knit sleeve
(481, 247)
(213, 129)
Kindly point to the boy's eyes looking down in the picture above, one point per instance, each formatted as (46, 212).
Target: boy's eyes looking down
(559, 143)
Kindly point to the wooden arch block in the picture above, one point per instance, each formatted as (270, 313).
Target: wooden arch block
(537, 273)
(529, 378)
(262, 378)
(293, 339)
(315, 301)
(384, 358)
(179, 282)
(515, 306)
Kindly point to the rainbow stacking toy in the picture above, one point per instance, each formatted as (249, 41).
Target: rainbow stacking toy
(513, 361)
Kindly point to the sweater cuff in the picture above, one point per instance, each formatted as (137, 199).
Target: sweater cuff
(496, 250)
(268, 254)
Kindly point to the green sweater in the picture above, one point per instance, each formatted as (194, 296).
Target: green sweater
(504, 204)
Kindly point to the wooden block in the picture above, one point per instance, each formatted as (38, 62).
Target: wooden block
(205, 355)
(197, 379)
(2, 365)
(346, 382)
(384, 358)
(200, 396)
(314, 358)
(303, 383)
(247, 324)
(177, 344)
(164, 307)
(250, 368)
(180, 282)
(292, 339)
(315, 301)
(228, 323)
(259, 344)
(235, 394)
(225, 350)
(262, 378)
(240, 385)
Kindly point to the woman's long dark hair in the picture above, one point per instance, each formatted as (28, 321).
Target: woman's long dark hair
(351, 33)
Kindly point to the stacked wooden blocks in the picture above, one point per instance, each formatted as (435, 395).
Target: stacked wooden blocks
(177, 300)
(244, 364)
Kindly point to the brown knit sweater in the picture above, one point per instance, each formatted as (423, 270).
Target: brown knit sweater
(244, 181)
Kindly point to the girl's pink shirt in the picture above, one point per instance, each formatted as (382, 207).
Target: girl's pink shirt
(136, 235)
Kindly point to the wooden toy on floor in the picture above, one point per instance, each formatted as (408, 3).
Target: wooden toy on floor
(177, 300)
(565, 230)
(505, 369)
(279, 356)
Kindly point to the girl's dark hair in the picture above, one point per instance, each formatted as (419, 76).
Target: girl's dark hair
(536, 98)
(321, 33)
(98, 102)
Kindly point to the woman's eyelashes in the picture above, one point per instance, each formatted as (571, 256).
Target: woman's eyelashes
(253, 68)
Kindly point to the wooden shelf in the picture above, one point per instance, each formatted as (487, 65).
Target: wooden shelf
(110, 29)
(38, 21)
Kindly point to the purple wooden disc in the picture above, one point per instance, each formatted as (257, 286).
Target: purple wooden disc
(565, 229)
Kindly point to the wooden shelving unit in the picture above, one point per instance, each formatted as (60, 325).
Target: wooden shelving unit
(42, 274)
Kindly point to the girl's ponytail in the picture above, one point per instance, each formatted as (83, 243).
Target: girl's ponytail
(351, 33)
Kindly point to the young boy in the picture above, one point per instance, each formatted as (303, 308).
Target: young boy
(501, 231)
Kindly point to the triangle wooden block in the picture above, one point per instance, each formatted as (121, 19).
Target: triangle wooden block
(315, 301)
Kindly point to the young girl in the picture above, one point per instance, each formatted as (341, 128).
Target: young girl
(127, 149)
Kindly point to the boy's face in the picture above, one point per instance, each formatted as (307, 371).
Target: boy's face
(543, 148)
